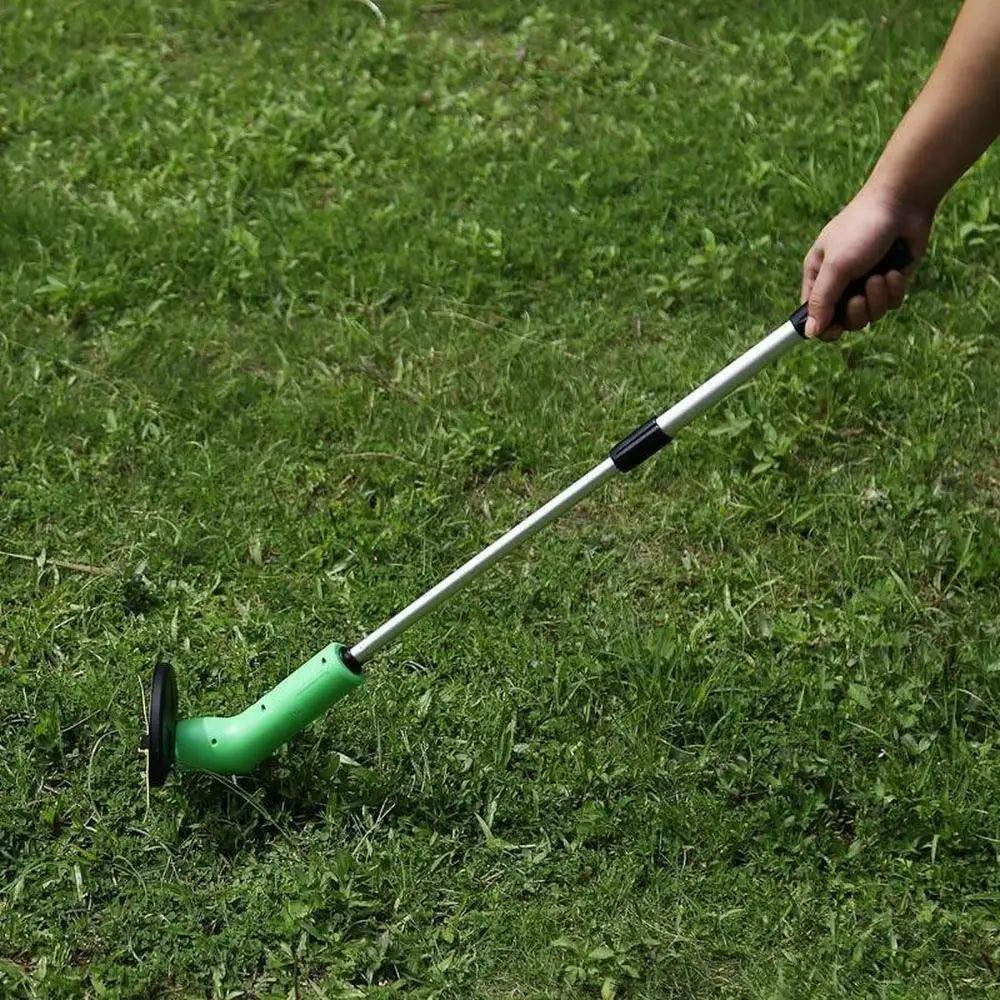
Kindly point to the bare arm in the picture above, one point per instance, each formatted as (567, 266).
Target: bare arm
(951, 123)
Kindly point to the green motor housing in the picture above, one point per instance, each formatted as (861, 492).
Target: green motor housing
(238, 743)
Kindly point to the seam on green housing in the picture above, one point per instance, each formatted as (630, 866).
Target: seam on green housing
(236, 744)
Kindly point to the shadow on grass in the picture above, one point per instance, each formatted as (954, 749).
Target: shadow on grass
(283, 799)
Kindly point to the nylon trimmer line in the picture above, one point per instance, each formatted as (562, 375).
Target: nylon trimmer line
(236, 744)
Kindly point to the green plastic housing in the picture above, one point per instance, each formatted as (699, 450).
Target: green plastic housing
(238, 743)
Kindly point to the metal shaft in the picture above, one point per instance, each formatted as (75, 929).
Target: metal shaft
(733, 375)
(468, 571)
(694, 403)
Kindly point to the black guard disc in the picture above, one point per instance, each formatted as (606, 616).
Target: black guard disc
(159, 741)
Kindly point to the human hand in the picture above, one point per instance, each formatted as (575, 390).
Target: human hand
(850, 245)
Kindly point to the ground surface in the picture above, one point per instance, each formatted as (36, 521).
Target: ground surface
(297, 312)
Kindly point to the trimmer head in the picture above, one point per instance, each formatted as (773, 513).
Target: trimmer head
(236, 744)
(159, 741)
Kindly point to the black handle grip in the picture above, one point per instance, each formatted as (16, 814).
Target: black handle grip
(896, 259)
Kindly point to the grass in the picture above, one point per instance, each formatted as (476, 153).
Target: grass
(296, 312)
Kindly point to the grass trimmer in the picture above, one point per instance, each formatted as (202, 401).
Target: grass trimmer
(236, 744)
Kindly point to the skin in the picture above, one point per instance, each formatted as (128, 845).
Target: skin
(951, 123)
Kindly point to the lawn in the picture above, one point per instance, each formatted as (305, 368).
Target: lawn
(299, 309)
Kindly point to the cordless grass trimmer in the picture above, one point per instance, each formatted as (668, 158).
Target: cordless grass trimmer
(236, 744)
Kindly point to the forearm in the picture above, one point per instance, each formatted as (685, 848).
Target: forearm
(955, 118)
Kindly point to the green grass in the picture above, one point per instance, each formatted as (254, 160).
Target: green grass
(296, 312)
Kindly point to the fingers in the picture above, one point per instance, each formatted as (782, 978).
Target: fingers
(896, 284)
(856, 315)
(877, 296)
(882, 293)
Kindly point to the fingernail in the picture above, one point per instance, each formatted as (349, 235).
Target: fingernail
(811, 327)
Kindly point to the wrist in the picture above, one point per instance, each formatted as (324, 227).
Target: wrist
(903, 195)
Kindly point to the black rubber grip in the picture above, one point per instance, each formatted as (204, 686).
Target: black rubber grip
(638, 446)
(896, 259)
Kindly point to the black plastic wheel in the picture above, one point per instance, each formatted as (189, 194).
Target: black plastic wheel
(159, 741)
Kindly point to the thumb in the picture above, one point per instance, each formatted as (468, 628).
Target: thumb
(810, 268)
(827, 288)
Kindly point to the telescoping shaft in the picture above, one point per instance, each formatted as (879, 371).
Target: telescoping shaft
(630, 452)
(236, 744)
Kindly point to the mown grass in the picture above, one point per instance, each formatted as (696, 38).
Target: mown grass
(297, 312)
